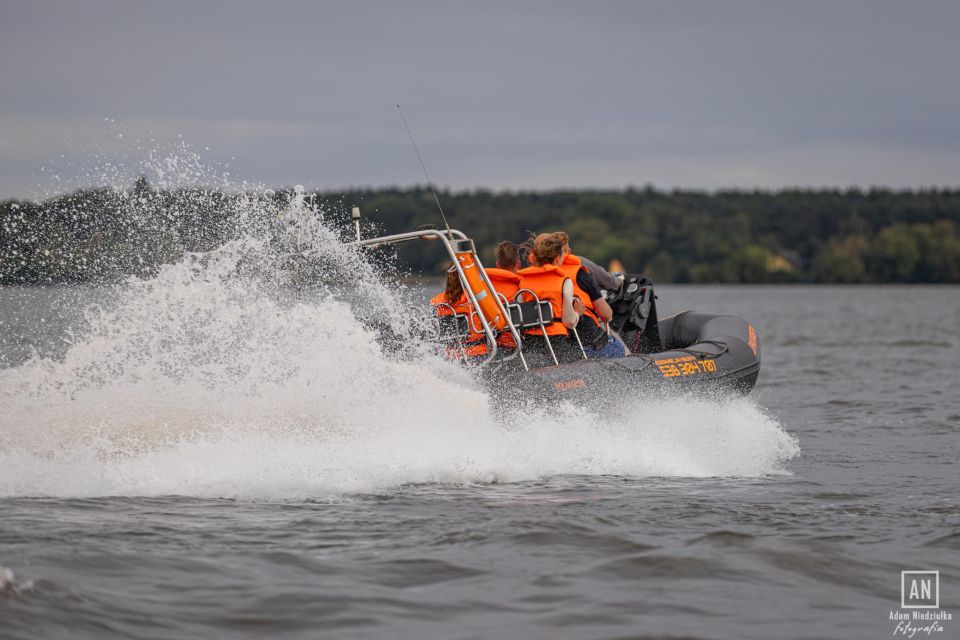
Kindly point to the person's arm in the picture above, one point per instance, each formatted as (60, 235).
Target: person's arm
(586, 281)
(570, 316)
(603, 277)
(604, 311)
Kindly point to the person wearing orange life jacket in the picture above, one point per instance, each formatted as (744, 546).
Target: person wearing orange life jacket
(606, 280)
(550, 283)
(453, 300)
(504, 276)
(505, 282)
(595, 312)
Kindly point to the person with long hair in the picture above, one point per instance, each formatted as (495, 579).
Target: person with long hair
(575, 298)
(548, 283)
(594, 334)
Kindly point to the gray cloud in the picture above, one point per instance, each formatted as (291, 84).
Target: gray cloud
(507, 95)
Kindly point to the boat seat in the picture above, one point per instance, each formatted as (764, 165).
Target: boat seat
(451, 326)
(537, 314)
(524, 315)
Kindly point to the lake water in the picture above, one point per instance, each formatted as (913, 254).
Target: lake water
(189, 462)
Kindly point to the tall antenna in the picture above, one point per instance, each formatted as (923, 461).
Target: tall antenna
(424, 167)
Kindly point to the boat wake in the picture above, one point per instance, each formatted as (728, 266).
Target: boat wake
(222, 377)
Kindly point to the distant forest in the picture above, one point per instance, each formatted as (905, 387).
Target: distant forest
(820, 236)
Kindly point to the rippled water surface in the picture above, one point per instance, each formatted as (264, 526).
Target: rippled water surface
(306, 486)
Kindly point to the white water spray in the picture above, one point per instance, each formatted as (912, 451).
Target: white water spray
(214, 379)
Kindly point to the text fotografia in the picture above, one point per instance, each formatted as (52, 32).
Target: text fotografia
(919, 623)
(909, 630)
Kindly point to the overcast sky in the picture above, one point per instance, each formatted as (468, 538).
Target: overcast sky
(502, 95)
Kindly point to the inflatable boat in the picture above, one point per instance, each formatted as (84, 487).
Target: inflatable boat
(689, 351)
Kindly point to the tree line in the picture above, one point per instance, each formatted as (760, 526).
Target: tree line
(794, 235)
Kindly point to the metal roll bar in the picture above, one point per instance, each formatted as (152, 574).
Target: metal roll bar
(541, 323)
(458, 237)
(518, 343)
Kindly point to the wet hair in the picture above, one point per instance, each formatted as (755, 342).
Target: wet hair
(547, 248)
(507, 255)
(563, 235)
(525, 249)
(454, 288)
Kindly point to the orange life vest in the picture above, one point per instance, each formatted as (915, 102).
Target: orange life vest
(547, 283)
(476, 350)
(460, 306)
(506, 283)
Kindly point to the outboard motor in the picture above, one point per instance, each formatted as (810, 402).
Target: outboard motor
(635, 314)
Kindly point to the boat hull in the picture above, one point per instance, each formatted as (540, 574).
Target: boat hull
(700, 353)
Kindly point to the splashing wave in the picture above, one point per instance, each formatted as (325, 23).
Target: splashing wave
(217, 378)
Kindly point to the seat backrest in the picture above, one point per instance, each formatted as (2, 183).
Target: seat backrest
(524, 314)
(453, 326)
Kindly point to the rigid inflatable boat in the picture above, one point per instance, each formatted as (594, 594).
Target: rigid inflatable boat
(690, 350)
